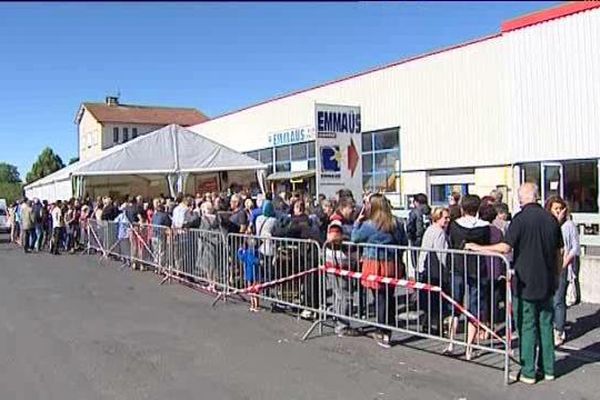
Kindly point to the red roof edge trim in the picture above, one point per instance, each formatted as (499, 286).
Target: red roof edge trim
(548, 15)
(394, 64)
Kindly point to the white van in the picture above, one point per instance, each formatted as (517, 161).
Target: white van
(4, 222)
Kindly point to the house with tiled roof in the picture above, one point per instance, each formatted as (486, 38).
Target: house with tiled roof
(101, 126)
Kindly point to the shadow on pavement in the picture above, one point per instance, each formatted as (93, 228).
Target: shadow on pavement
(583, 325)
(577, 358)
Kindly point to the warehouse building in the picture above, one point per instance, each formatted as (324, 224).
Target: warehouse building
(520, 105)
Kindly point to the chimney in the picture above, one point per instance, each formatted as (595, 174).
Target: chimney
(112, 101)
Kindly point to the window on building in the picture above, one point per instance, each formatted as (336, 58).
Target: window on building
(386, 140)
(367, 141)
(311, 150)
(282, 153)
(440, 194)
(531, 173)
(282, 159)
(299, 152)
(384, 162)
(381, 160)
(310, 155)
(576, 180)
(253, 154)
(125, 135)
(115, 135)
(367, 160)
(283, 166)
(266, 156)
(134, 133)
(581, 185)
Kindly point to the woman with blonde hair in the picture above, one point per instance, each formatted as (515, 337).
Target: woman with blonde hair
(376, 226)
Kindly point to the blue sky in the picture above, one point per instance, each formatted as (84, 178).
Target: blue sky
(215, 57)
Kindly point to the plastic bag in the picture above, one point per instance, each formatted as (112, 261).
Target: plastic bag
(571, 295)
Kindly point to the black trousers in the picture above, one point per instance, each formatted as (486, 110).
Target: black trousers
(55, 241)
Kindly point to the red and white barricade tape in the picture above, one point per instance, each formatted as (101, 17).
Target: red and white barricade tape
(260, 286)
(382, 279)
(204, 286)
(412, 285)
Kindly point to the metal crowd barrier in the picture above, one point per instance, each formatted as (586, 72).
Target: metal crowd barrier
(458, 299)
(282, 271)
(142, 245)
(199, 257)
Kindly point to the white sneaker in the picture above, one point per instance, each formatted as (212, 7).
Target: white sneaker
(559, 338)
(411, 315)
(306, 314)
(383, 340)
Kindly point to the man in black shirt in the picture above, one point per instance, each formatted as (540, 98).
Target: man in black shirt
(418, 220)
(238, 220)
(535, 237)
(132, 212)
(110, 211)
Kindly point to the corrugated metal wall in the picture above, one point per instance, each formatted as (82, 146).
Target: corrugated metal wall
(530, 94)
(452, 109)
(448, 105)
(554, 82)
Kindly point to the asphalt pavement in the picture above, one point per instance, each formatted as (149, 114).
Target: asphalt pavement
(75, 327)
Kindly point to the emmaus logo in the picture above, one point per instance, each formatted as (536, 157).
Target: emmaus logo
(332, 157)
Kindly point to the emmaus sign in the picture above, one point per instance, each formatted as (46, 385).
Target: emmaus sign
(338, 147)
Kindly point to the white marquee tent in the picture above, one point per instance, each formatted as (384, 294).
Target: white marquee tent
(164, 159)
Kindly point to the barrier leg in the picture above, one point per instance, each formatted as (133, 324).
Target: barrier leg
(508, 327)
(317, 323)
(322, 308)
(168, 271)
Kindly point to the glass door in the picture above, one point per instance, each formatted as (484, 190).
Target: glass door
(552, 180)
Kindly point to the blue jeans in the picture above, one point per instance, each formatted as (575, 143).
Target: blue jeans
(560, 307)
(477, 299)
(39, 236)
(32, 238)
(385, 307)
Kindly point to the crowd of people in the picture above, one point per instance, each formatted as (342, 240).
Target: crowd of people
(532, 241)
(37, 225)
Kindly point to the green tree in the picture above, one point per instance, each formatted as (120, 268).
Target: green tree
(9, 173)
(73, 160)
(47, 163)
(11, 191)
(10, 183)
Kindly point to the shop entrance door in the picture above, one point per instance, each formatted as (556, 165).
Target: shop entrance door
(552, 181)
